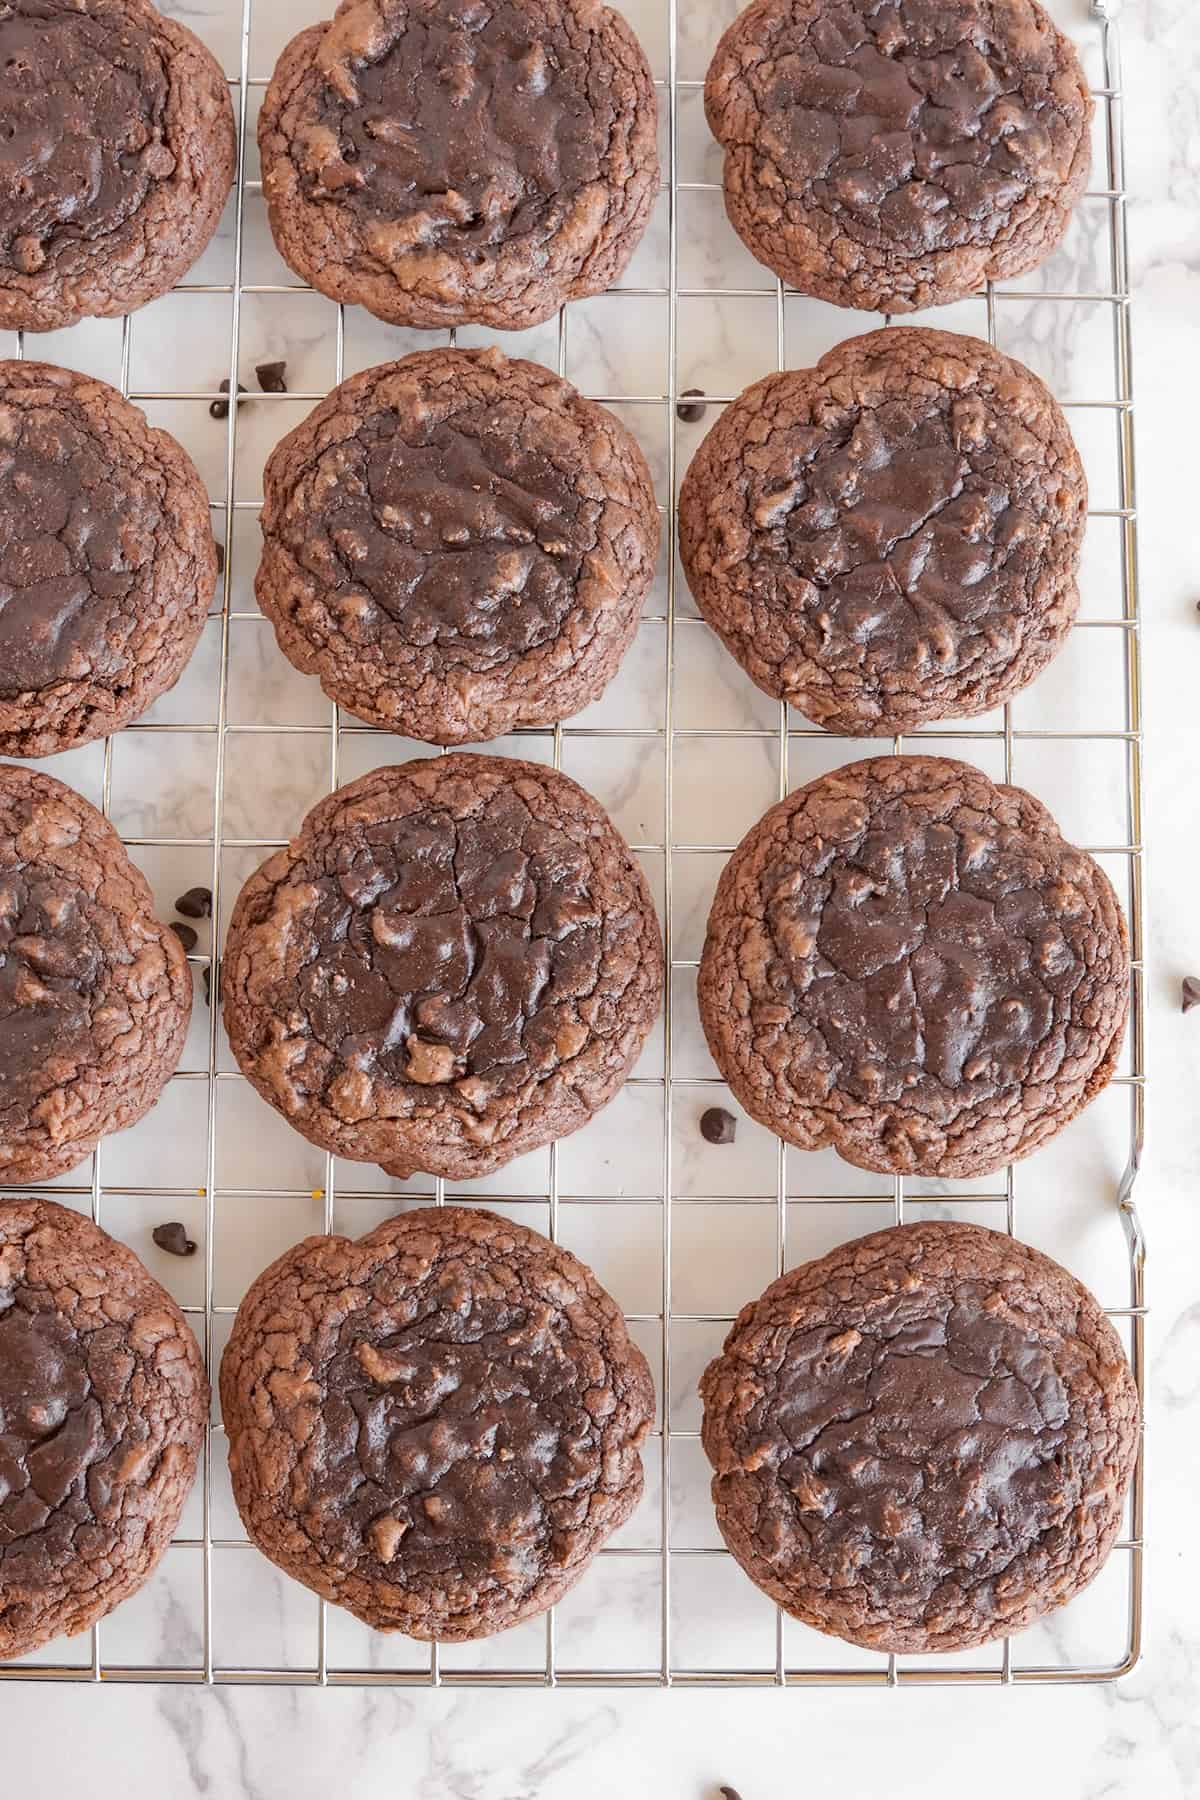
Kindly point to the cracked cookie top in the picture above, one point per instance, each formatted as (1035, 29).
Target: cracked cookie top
(95, 994)
(892, 536)
(457, 544)
(437, 1426)
(116, 157)
(103, 1401)
(910, 964)
(923, 1440)
(455, 961)
(897, 154)
(107, 563)
(442, 163)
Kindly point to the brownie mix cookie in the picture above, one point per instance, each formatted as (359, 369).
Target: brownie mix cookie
(910, 964)
(457, 544)
(897, 154)
(891, 537)
(435, 1427)
(103, 1402)
(117, 159)
(95, 994)
(453, 962)
(923, 1440)
(442, 162)
(107, 561)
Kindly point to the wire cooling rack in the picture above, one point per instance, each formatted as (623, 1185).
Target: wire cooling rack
(673, 1618)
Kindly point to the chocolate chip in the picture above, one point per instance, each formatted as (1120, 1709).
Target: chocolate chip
(185, 934)
(731, 1793)
(195, 904)
(207, 985)
(219, 547)
(718, 1126)
(686, 407)
(271, 377)
(220, 408)
(1190, 993)
(173, 1239)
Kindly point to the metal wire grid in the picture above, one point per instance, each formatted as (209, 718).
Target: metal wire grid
(667, 1670)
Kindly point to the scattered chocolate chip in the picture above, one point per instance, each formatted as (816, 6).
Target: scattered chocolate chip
(185, 934)
(718, 1126)
(173, 1239)
(220, 550)
(1190, 993)
(731, 1793)
(207, 985)
(271, 377)
(220, 408)
(686, 407)
(195, 904)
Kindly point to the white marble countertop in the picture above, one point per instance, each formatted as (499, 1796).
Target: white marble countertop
(1141, 1736)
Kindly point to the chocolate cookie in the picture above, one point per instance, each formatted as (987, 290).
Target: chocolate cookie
(923, 1440)
(116, 161)
(103, 1402)
(95, 994)
(454, 961)
(435, 1427)
(438, 161)
(457, 544)
(891, 537)
(107, 562)
(898, 155)
(910, 964)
